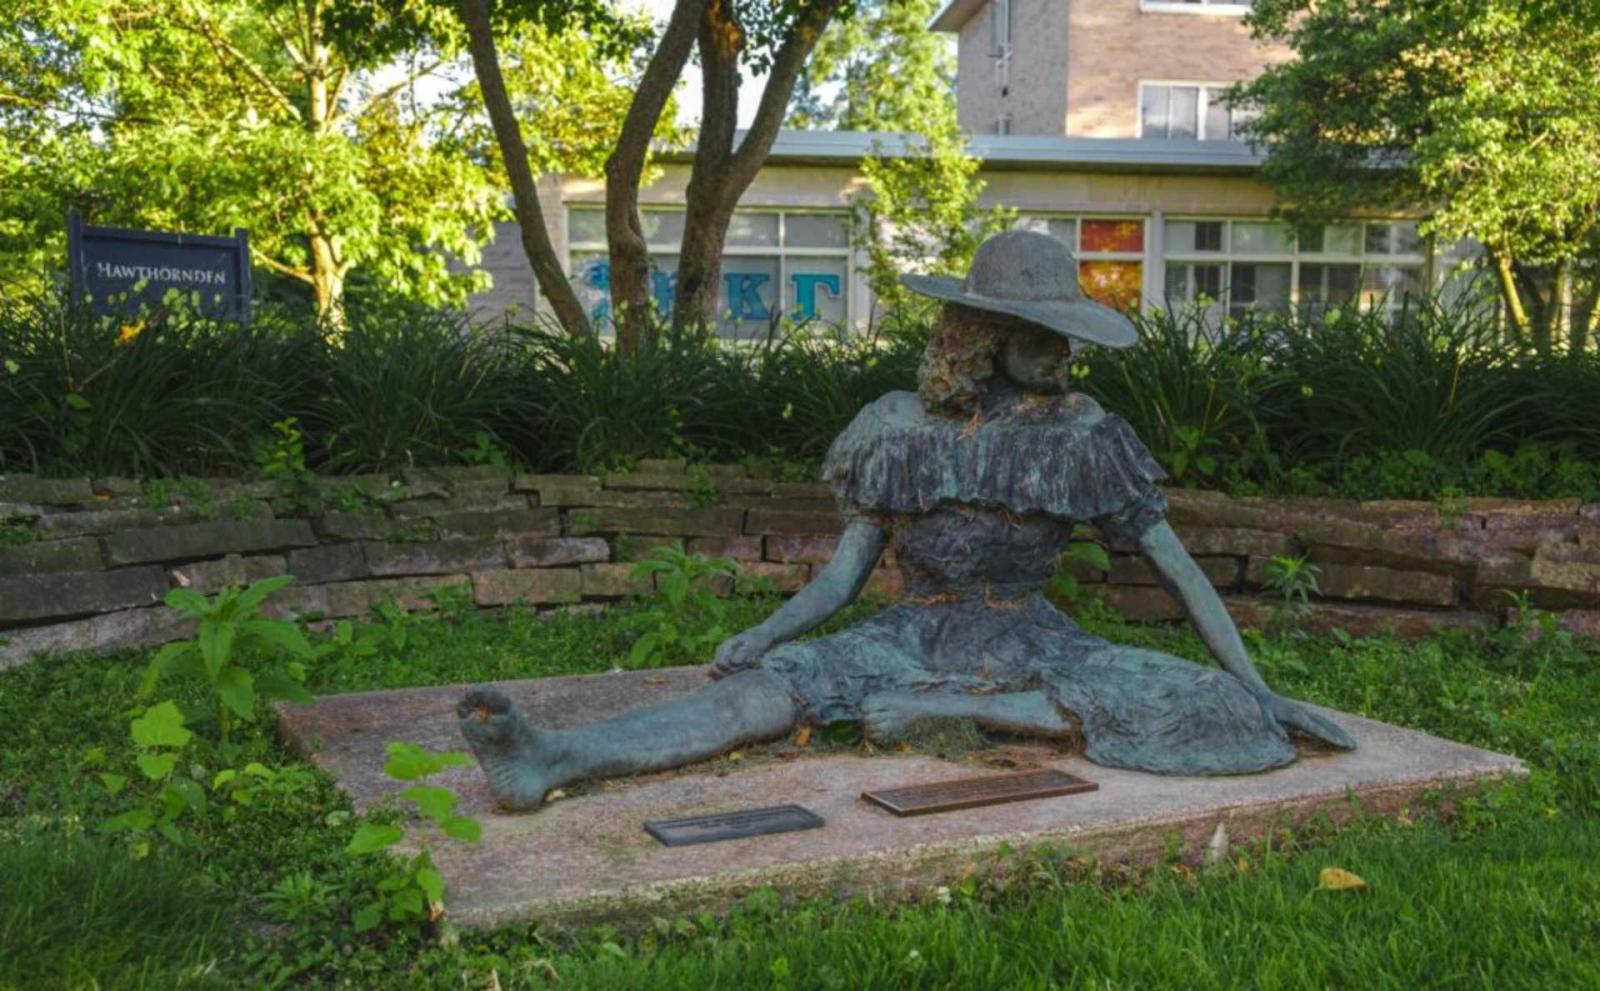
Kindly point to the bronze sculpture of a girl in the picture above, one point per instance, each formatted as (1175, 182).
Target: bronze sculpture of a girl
(977, 481)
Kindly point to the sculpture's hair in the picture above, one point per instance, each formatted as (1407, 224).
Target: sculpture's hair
(961, 357)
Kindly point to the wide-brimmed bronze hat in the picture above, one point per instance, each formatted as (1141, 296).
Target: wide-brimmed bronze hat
(1032, 276)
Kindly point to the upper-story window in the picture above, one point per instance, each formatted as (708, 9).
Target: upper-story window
(1188, 110)
(1000, 43)
(1198, 6)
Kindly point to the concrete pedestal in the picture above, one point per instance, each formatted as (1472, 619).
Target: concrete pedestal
(586, 857)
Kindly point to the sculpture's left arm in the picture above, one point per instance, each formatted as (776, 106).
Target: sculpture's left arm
(1182, 577)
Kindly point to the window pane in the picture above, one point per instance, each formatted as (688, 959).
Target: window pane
(1194, 235)
(1113, 283)
(1216, 117)
(586, 225)
(815, 230)
(1389, 285)
(1112, 235)
(816, 289)
(1335, 239)
(1183, 114)
(1262, 239)
(1153, 110)
(1063, 229)
(1192, 283)
(1328, 285)
(662, 228)
(753, 230)
(1259, 286)
(1393, 239)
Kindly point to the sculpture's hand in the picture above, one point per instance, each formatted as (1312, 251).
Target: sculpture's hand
(739, 653)
(1292, 715)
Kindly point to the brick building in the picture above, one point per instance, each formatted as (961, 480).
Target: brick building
(1100, 121)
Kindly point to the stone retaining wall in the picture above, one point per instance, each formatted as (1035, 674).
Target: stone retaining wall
(85, 564)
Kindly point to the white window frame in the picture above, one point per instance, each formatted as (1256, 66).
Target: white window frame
(1207, 8)
(781, 250)
(1202, 97)
(1296, 257)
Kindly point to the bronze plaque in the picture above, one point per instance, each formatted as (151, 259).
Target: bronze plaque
(733, 825)
(969, 793)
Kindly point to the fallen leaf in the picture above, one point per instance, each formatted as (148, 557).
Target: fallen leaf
(182, 579)
(736, 755)
(1339, 879)
(655, 680)
(554, 794)
(803, 738)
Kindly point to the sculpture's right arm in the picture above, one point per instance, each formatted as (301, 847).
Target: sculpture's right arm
(830, 590)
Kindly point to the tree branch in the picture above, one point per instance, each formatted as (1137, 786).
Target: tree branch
(227, 52)
(786, 65)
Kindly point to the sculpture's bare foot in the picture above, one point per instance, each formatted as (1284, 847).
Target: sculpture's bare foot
(515, 755)
(888, 717)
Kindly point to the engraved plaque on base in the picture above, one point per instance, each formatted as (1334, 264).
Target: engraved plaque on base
(733, 825)
(970, 793)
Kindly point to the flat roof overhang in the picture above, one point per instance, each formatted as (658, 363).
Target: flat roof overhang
(954, 14)
(1018, 152)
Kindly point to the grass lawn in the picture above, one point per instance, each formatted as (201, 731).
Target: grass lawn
(1506, 893)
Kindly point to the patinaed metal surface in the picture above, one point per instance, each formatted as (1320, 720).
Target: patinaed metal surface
(979, 480)
(733, 825)
(972, 793)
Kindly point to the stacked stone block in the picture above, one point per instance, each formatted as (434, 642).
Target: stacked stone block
(85, 564)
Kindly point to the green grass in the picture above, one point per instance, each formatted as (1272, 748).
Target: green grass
(1501, 894)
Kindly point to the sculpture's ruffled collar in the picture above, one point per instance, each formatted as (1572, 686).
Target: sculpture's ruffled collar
(1068, 459)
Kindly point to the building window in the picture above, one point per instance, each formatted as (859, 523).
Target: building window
(802, 256)
(1195, 111)
(1110, 253)
(1239, 266)
(1238, 7)
(1000, 43)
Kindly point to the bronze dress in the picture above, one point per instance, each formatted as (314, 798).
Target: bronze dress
(979, 513)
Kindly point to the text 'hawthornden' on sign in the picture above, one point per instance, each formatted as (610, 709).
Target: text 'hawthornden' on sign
(117, 270)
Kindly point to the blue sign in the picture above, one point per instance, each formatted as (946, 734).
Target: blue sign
(117, 270)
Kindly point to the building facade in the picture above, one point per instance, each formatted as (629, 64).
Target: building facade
(1099, 121)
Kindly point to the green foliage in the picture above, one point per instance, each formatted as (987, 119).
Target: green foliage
(684, 618)
(76, 912)
(413, 890)
(237, 651)
(1481, 112)
(1082, 553)
(282, 460)
(245, 113)
(1294, 581)
(888, 71)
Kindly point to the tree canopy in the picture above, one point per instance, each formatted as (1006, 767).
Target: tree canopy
(1481, 113)
(347, 137)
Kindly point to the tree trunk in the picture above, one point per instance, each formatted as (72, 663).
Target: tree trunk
(1508, 292)
(327, 268)
(720, 175)
(327, 280)
(631, 298)
(546, 264)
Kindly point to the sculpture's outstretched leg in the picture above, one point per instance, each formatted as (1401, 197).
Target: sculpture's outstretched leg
(889, 716)
(523, 761)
